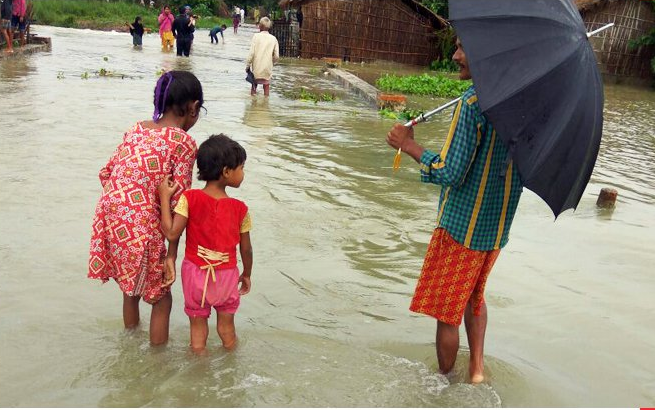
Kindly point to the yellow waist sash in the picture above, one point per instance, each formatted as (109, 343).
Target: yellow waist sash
(212, 259)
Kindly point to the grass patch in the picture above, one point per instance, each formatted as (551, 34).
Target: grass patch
(304, 94)
(102, 15)
(424, 84)
(405, 115)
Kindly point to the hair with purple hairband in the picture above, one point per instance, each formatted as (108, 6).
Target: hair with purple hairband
(160, 96)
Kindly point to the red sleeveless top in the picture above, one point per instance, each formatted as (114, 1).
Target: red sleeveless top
(214, 224)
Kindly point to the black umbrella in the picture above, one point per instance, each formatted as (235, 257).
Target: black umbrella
(536, 79)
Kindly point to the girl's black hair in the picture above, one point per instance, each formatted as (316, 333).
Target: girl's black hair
(217, 152)
(174, 90)
(136, 19)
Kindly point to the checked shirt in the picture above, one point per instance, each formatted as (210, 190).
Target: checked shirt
(480, 190)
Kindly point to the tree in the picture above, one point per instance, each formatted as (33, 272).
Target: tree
(440, 7)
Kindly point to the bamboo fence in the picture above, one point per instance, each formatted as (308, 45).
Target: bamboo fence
(632, 19)
(365, 30)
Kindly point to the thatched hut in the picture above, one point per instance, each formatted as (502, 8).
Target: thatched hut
(632, 19)
(403, 31)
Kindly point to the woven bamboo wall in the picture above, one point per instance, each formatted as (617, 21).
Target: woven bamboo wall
(632, 19)
(367, 30)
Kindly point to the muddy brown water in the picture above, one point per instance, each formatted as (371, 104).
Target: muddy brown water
(338, 238)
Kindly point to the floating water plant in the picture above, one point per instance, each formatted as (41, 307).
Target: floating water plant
(424, 84)
(405, 115)
(305, 94)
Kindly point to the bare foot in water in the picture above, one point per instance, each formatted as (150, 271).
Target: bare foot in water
(476, 371)
(477, 378)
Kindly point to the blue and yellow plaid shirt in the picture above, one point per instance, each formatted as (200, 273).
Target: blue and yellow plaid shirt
(480, 190)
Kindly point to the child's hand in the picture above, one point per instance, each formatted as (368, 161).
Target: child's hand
(167, 188)
(245, 285)
(169, 272)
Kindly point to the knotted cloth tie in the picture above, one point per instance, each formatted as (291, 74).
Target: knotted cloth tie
(212, 259)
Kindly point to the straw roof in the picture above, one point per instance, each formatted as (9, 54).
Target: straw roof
(436, 19)
(584, 5)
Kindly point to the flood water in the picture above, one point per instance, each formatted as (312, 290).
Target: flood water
(339, 241)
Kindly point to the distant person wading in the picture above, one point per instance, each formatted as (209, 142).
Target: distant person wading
(264, 52)
(183, 28)
(165, 20)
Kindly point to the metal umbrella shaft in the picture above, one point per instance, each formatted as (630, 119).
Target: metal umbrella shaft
(424, 117)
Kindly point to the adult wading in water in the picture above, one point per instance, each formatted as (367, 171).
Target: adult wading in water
(183, 28)
(478, 200)
(264, 52)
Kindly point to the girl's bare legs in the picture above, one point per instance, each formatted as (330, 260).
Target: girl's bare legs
(9, 38)
(267, 88)
(159, 320)
(447, 346)
(199, 333)
(253, 89)
(131, 311)
(475, 330)
(226, 330)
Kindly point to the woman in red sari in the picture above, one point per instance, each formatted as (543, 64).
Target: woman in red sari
(127, 244)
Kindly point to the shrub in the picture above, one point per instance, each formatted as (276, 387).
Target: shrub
(424, 84)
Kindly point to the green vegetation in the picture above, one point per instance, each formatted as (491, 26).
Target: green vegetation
(444, 65)
(440, 7)
(101, 72)
(304, 94)
(424, 84)
(648, 40)
(405, 115)
(318, 71)
(102, 15)
(446, 41)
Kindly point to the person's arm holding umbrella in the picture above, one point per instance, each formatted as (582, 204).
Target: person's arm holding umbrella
(448, 167)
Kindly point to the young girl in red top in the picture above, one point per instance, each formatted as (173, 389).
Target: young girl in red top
(127, 244)
(215, 224)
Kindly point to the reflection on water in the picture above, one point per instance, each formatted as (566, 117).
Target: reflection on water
(16, 68)
(339, 240)
(628, 149)
(258, 113)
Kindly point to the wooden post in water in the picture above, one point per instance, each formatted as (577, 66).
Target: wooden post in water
(607, 198)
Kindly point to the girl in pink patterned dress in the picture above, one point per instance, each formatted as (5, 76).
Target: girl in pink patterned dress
(127, 243)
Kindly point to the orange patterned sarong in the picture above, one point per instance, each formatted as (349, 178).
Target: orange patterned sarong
(452, 275)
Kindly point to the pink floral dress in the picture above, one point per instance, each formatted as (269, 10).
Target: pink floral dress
(127, 243)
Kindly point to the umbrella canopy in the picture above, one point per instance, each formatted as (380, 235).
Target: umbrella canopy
(536, 79)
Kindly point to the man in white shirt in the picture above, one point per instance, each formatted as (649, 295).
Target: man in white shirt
(264, 52)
